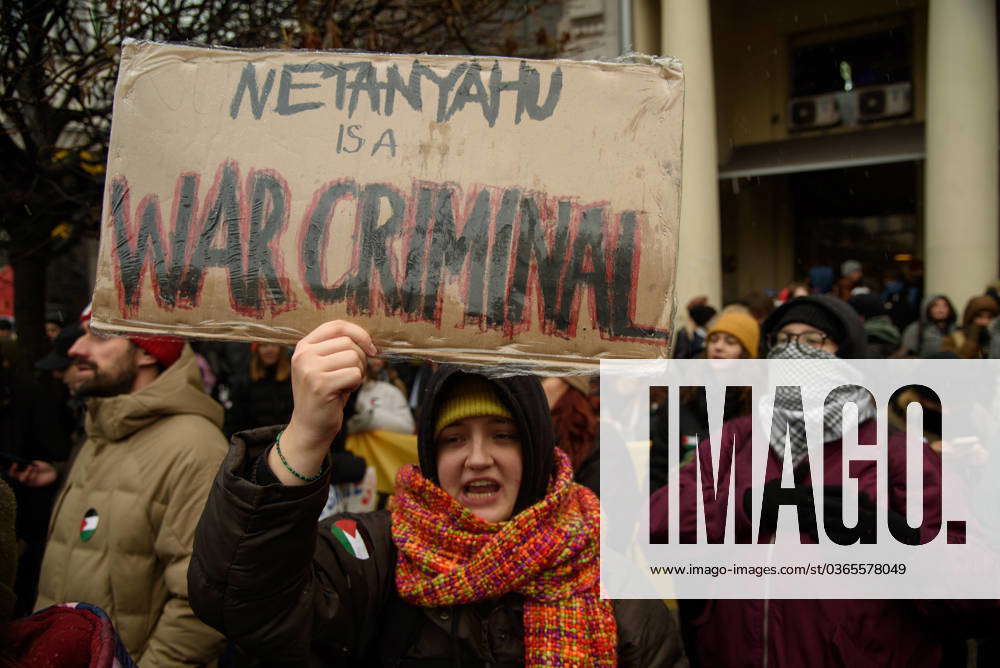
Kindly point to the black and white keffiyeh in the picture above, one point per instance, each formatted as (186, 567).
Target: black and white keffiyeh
(821, 388)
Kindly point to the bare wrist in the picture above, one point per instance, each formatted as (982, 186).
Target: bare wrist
(299, 438)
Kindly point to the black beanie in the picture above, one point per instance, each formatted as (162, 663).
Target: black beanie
(701, 314)
(809, 313)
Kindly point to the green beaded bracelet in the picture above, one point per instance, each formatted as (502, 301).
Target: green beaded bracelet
(306, 478)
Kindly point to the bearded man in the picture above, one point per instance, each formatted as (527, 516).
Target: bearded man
(123, 525)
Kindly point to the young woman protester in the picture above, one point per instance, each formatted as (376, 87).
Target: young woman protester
(489, 555)
(734, 334)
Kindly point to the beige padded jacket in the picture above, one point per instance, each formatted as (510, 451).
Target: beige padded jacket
(123, 525)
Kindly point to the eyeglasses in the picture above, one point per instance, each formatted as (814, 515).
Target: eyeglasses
(811, 339)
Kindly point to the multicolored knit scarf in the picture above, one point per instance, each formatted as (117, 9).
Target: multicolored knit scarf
(548, 553)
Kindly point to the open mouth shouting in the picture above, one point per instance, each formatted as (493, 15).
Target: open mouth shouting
(480, 492)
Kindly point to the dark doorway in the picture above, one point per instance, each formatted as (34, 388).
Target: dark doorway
(869, 214)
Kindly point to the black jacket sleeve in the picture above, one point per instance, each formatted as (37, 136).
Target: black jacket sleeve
(278, 585)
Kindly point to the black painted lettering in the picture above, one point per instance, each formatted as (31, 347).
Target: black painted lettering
(374, 248)
(388, 140)
(528, 93)
(180, 238)
(503, 232)
(453, 251)
(365, 81)
(316, 240)
(415, 261)
(131, 255)
(444, 84)
(497, 85)
(470, 90)
(268, 214)
(340, 138)
(283, 105)
(410, 91)
(223, 217)
(587, 268)
(625, 281)
(531, 243)
(358, 140)
(340, 72)
(258, 96)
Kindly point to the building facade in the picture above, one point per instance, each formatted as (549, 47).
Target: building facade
(818, 132)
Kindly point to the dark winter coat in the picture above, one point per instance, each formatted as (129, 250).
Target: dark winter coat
(689, 344)
(797, 633)
(260, 403)
(288, 593)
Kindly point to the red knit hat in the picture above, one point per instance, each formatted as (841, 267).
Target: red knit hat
(165, 349)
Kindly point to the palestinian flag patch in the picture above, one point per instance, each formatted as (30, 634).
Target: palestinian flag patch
(346, 531)
(88, 525)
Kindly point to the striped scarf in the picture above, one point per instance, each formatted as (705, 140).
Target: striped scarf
(548, 553)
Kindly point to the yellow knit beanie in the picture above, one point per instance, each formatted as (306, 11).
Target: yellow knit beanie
(740, 325)
(470, 397)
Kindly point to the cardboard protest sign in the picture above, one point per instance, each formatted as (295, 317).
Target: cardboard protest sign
(469, 208)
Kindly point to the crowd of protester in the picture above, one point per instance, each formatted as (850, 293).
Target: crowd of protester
(125, 436)
(825, 317)
(899, 320)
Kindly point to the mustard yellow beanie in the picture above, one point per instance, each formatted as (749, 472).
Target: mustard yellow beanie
(470, 397)
(742, 326)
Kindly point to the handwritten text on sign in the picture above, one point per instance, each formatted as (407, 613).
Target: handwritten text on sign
(456, 207)
(494, 242)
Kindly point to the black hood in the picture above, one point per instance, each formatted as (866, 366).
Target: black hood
(525, 399)
(854, 344)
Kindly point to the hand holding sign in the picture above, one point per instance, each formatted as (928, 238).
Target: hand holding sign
(328, 364)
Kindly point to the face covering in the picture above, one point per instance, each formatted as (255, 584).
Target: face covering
(784, 411)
